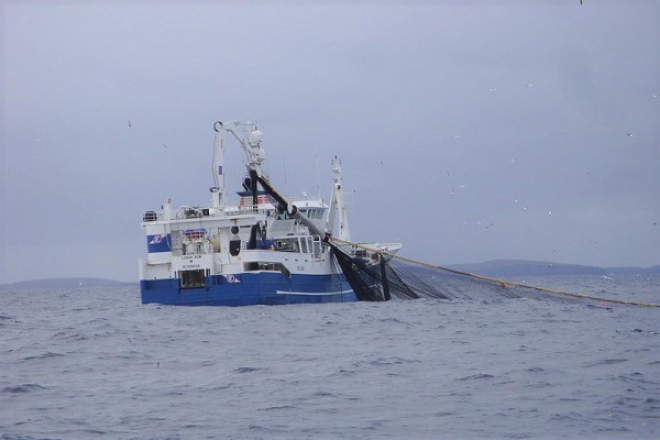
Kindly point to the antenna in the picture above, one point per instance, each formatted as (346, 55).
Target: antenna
(318, 177)
(286, 185)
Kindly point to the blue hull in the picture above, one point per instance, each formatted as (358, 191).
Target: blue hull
(250, 289)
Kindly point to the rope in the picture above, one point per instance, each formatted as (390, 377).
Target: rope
(500, 281)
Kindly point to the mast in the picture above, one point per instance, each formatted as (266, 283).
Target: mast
(250, 139)
(217, 164)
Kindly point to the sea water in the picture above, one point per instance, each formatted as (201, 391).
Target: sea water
(90, 363)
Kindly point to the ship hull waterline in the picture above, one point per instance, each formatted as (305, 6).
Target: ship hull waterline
(245, 289)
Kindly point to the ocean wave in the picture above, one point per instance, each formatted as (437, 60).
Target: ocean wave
(22, 388)
(406, 369)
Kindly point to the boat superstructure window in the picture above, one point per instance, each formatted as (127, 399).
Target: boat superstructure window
(191, 242)
(287, 245)
(305, 245)
(312, 213)
(317, 246)
(315, 213)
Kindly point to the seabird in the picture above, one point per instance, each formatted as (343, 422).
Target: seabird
(129, 124)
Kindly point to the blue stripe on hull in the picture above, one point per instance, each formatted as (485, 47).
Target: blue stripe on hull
(255, 288)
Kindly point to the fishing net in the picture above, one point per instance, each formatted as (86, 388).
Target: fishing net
(381, 276)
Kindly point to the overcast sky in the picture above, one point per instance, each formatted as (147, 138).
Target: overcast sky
(494, 130)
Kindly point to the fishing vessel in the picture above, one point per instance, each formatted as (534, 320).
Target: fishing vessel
(263, 250)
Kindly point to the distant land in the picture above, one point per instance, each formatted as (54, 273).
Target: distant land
(514, 268)
(494, 268)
